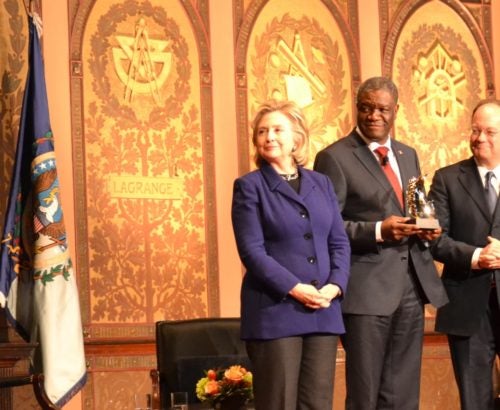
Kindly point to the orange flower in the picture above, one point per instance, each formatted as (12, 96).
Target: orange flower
(211, 374)
(235, 374)
(219, 385)
(212, 387)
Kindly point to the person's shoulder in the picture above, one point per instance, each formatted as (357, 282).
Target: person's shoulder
(316, 176)
(456, 167)
(341, 144)
(249, 177)
(311, 173)
(398, 145)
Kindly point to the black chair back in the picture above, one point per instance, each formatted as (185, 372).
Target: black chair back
(187, 348)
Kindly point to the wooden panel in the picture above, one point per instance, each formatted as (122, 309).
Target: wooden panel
(14, 362)
(118, 370)
(141, 93)
(302, 50)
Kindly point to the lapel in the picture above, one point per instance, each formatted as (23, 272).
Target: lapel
(470, 181)
(368, 161)
(278, 184)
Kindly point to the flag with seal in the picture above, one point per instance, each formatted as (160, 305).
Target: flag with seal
(37, 283)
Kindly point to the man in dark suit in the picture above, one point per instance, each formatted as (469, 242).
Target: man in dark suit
(470, 251)
(392, 271)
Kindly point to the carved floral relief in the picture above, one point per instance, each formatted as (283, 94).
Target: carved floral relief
(301, 57)
(441, 76)
(144, 168)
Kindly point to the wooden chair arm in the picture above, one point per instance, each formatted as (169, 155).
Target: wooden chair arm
(36, 380)
(155, 383)
(41, 395)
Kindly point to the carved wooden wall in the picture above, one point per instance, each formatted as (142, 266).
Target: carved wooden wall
(440, 52)
(143, 167)
(141, 98)
(13, 69)
(306, 53)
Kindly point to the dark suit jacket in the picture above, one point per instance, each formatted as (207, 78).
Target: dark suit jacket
(285, 238)
(378, 270)
(462, 210)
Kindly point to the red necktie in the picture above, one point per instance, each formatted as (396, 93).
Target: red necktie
(389, 173)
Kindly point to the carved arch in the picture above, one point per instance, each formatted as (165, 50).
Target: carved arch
(197, 14)
(393, 28)
(244, 21)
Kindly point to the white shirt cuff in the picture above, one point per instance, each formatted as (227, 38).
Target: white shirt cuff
(378, 232)
(474, 264)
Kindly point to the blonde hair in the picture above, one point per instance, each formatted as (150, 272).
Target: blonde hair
(301, 133)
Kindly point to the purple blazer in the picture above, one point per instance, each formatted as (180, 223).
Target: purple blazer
(285, 238)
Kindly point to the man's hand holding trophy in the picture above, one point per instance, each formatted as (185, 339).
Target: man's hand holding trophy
(420, 208)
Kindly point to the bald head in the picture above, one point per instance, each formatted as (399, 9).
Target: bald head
(485, 133)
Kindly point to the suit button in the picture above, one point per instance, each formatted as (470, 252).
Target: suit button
(303, 214)
(315, 282)
(308, 236)
(404, 258)
(311, 260)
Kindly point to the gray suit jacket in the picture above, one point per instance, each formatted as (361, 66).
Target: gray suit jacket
(458, 195)
(378, 270)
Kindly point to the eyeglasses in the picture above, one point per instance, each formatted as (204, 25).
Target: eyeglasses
(490, 133)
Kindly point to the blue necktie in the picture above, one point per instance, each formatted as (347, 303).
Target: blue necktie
(491, 193)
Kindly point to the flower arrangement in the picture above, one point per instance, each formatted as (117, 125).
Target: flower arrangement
(225, 385)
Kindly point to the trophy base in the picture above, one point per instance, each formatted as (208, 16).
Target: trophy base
(425, 223)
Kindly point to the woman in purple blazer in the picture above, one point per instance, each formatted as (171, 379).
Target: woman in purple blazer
(292, 242)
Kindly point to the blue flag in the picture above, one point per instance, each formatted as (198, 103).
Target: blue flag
(37, 282)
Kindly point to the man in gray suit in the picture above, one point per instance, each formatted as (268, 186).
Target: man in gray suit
(470, 251)
(392, 271)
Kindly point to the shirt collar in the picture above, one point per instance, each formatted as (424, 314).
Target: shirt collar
(373, 145)
(483, 170)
